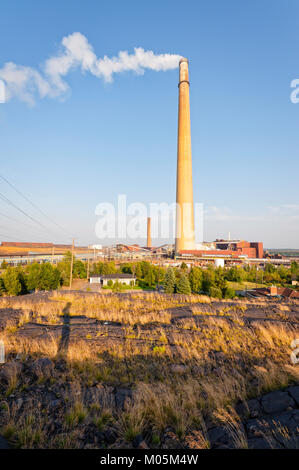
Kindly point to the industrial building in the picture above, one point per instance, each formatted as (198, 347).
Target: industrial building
(230, 248)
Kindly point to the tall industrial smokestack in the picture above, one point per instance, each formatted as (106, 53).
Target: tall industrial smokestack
(149, 238)
(185, 237)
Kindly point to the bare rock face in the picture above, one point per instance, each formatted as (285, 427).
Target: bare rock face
(258, 443)
(43, 367)
(294, 392)
(10, 369)
(251, 409)
(219, 435)
(276, 402)
(3, 443)
(123, 398)
(9, 317)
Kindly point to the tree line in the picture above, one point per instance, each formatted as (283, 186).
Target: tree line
(211, 280)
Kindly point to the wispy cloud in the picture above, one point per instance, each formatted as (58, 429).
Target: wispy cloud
(224, 213)
(27, 84)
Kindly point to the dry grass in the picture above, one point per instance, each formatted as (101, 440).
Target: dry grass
(222, 361)
(229, 418)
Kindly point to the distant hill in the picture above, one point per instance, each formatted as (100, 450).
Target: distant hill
(290, 252)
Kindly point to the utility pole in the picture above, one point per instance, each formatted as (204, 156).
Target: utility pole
(87, 266)
(72, 263)
(52, 261)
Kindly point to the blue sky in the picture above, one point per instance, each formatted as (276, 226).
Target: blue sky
(97, 140)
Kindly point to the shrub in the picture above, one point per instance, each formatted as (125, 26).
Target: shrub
(215, 292)
(183, 286)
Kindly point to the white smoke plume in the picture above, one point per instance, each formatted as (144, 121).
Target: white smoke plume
(27, 83)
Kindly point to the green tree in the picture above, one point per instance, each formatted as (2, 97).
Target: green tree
(127, 268)
(42, 277)
(64, 267)
(229, 293)
(33, 276)
(195, 279)
(149, 277)
(79, 269)
(138, 271)
(215, 292)
(159, 274)
(109, 268)
(208, 279)
(2, 287)
(12, 281)
(183, 286)
(169, 281)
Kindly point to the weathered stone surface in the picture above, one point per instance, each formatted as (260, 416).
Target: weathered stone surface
(258, 443)
(10, 369)
(123, 397)
(275, 402)
(250, 409)
(9, 317)
(274, 425)
(294, 392)
(43, 367)
(219, 435)
(3, 443)
(259, 427)
(110, 435)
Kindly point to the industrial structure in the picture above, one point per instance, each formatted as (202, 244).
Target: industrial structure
(185, 236)
(228, 249)
(149, 236)
(219, 252)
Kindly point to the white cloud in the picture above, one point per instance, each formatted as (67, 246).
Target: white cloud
(28, 84)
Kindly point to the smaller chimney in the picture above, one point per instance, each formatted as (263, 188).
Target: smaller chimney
(149, 238)
(273, 290)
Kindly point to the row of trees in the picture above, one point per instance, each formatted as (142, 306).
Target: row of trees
(211, 281)
(196, 280)
(24, 279)
(17, 281)
(271, 275)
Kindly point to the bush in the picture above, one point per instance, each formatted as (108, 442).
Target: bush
(229, 293)
(12, 281)
(183, 286)
(215, 292)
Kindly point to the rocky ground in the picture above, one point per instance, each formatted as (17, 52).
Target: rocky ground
(82, 380)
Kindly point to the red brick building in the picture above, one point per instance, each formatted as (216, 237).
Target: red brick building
(233, 248)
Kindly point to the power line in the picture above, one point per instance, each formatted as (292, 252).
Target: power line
(16, 220)
(9, 236)
(33, 204)
(5, 199)
(23, 223)
(8, 201)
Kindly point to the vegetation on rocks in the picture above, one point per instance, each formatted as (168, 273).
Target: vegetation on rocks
(164, 371)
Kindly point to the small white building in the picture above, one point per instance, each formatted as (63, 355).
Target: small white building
(110, 279)
(219, 263)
